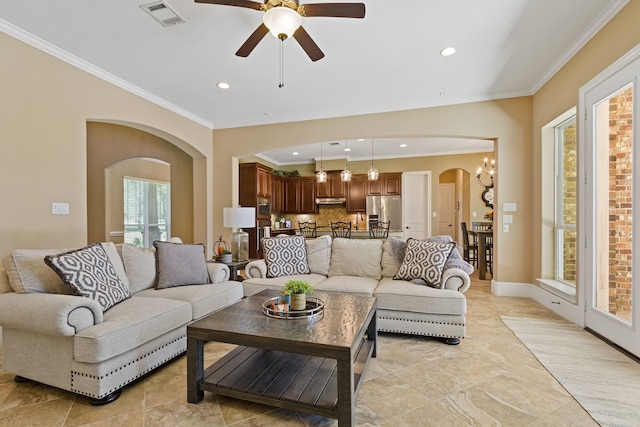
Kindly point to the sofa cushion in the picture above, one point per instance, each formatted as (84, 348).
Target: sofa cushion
(179, 264)
(348, 285)
(90, 273)
(28, 273)
(424, 260)
(204, 299)
(319, 254)
(285, 256)
(128, 326)
(356, 257)
(404, 296)
(140, 265)
(257, 284)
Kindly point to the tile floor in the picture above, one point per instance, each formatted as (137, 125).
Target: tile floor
(489, 379)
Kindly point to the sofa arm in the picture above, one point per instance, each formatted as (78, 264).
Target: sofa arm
(456, 279)
(218, 272)
(49, 314)
(256, 269)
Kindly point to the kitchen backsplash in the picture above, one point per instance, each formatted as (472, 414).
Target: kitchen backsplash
(326, 214)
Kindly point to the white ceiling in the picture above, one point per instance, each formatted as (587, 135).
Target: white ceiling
(388, 61)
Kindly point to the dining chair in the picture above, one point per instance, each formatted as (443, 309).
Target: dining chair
(341, 229)
(379, 229)
(469, 246)
(308, 229)
(488, 241)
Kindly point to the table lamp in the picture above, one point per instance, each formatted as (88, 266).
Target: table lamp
(238, 218)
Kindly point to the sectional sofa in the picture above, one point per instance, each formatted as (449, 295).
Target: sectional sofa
(419, 285)
(72, 342)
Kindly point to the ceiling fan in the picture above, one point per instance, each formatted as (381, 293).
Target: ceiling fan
(283, 18)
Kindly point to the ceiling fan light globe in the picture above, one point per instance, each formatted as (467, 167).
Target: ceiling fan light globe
(282, 21)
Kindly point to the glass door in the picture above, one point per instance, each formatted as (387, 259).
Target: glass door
(611, 184)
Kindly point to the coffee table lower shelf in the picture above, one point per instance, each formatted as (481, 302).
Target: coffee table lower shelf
(285, 380)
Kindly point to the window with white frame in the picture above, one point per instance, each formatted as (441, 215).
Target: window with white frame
(147, 211)
(566, 189)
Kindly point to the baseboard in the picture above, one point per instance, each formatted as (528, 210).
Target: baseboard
(570, 311)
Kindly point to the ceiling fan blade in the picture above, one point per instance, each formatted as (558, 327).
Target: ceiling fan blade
(306, 42)
(252, 41)
(336, 10)
(238, 3)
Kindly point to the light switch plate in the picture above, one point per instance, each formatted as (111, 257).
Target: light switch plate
(60, 208)
(507, 219)
(509, 207)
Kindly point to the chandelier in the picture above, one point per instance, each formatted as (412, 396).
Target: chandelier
(487, 169)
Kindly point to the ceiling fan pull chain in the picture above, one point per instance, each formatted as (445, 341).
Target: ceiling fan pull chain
(281, 85)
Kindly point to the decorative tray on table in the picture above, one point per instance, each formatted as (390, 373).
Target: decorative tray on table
(274, 308)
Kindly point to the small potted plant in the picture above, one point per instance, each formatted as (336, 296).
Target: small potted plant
(298, 289)
(226, 256)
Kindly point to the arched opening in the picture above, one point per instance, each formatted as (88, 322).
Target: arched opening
(110, 144)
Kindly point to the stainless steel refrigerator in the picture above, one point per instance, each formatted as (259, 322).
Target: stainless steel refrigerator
(385, 208)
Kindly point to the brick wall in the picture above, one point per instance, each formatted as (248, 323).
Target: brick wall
(620, 201)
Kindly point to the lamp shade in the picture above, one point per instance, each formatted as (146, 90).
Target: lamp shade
(282, 20)
(239, 217)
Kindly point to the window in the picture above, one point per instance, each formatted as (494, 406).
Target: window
(147, 211)
(566, 202)
(558, 181)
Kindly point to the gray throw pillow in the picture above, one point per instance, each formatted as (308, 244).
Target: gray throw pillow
(424, 260)
(285, 256)
(179, 265)
(89, 273)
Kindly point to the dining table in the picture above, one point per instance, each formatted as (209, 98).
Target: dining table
(482, 237)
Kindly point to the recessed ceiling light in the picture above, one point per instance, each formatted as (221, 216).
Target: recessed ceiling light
(295, 153)
(448, 51)
(403, 145)
(347, 149)
(360, 139)
(223, 85)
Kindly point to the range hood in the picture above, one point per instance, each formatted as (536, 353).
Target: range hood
(331, 200)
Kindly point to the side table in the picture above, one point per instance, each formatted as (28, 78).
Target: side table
(234, 268)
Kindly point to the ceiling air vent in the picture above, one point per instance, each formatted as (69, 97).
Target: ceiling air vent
(163, 13)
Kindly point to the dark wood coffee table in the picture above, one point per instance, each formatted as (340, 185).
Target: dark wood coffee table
(312, 366)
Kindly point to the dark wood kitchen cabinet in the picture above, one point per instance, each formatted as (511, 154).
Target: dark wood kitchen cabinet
(278, 194)
(334, 187)
(388, 184)
(300, 195)
(357, 194)
(255, 182)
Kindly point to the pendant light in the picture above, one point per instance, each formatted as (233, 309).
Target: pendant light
(373, 173)
(321, 176)
(345, 175)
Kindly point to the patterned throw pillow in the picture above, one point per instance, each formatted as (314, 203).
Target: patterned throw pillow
(89, 273)
(179, 265)
(285, 256)
(424, 260)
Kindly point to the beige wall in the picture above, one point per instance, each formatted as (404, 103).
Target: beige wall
(561, 93)
(44, 109)
(108, 144)
(506, 121)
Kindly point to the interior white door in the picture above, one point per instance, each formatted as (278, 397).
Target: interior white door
(610, 192)
(447, 210)
(416, 204)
